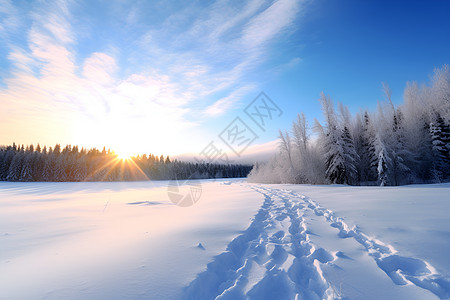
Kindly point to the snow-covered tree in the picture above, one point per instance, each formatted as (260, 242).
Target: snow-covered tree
(308, 162)
(440, 92)
(337, 145)
(9, 154)
(398, 144)
(286, 146)
(26, 173)
(71, 164)
(440, 141)
(300, 133)
(15, 168)
(382, 168)
(365, 138)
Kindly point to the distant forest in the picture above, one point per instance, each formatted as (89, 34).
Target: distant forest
(72, 164)
(399, 145)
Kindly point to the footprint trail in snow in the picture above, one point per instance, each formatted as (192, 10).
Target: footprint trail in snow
(296, 249)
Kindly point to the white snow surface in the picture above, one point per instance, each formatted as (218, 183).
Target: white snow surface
(239, 241)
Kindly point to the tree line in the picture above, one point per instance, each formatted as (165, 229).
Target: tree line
(399, 145)
(20, 163)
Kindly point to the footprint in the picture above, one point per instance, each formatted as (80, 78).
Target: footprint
(318, 212)
(279, 255)
(322, 255)
(277, 237)
(275, 285)
(281, 217)
(407, 265)
(341, 254)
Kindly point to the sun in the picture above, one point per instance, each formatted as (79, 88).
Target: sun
(124, 154)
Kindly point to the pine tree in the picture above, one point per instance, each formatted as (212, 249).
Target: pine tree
(37, 165)
(368, 160)
(337, 144)
(440, 140)
(440, 90)
(7, 159)
(2, 157)
(15, 169)
(382, 168)
(398, 152)
(26, 173)
(350, 156)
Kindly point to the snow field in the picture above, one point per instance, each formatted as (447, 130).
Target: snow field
(119, 240)
(296, 249)
(240, 241)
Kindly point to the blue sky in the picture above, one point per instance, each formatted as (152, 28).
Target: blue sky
(169, 76)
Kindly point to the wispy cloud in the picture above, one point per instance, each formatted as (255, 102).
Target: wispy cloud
(220, 47)
(199, 57)
(52, 19)
(268, 24)
(224, 104)
(9, 20)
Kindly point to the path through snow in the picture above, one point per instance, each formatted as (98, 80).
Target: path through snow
(296, 249)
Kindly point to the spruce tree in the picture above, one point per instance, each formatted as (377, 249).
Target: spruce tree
(440, 141)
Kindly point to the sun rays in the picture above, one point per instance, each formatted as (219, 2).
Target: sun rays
(118, 168)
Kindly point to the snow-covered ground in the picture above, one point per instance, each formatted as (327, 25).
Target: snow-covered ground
(112, 240)
(240, 241)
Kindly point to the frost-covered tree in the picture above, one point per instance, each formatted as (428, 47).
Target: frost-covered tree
(337, 146)
(395, 145)
(351, 157)
(15, 168)
(440, 92)
(399, 153)
(308, 162)
(365, 138)
(286, 149)
(392, 138)
(71, 164)
(300, 133)
(298, 161)
(26, 173)
(382, 168)
(440, 141)
(9, 154)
